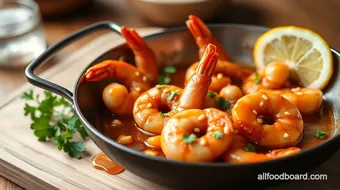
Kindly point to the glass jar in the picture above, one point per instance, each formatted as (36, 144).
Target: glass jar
(21, 32)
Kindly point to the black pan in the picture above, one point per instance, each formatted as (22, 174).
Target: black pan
(238, 40)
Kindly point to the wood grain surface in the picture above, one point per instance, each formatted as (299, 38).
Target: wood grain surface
(320, 16)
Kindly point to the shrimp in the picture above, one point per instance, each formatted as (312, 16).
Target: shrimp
(219, 80)
(152, 108)
(119, 98)
(145, 58)
(147, 108)
(231, 93)
(307, 100)
(252, 84)
(196, 89)
(237, 153)
(258, 81)
(275, 75)
(197, 135)
(222, 74)
(268, 119)
(203, 37)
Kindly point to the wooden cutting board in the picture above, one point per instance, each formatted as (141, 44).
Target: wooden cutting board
(38, 165)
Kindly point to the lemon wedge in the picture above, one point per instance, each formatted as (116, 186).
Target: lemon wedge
(307, 55)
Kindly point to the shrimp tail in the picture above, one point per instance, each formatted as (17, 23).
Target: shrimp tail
(134, 41)
(100, 71)
(145, 58)
(208, 62)
(195, 91)
(203, 37)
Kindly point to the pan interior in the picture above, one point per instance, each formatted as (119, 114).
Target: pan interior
(179, 46)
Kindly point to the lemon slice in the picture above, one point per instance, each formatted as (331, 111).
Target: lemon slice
(307, 55)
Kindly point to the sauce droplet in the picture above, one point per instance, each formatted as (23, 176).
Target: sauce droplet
(102, 162)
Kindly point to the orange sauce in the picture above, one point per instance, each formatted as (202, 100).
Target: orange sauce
(102, 162)
(322, 120)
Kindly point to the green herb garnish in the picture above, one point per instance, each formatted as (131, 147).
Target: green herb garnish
(159, 86)
(164, 114)
(257, 78)
(170, 69)
(320, 134)
(222, 103)
(171, 95)
(165, 77)
(249, 148)
(189, 138)
(218, 135)
(212, 94)
(53, 119)
(164, 80)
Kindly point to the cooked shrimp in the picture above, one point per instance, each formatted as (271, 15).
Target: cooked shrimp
(221, 77)
(268, 119)
(254, 83)
(307, 100)
(238, 154)
(152, 108)
(203, 37)
(197, 135)
(147, 108)
(231, 93)
(198, 86)
(275, 75)
(218, 80)
(119, 98)
(145, 58)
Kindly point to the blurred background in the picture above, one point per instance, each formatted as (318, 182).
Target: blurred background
(60, 18)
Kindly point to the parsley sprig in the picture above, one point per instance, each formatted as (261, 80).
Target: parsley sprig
(53, 119)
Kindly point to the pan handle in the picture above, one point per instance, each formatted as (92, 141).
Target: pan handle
(47, 85)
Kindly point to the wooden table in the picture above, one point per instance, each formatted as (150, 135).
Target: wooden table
(319, 16)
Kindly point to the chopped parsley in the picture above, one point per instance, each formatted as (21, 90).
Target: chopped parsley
(249, 148)
(170, 69)
(218, 135)
(257, 78)
(171, 95)
(164, 114)
(159, 86)
(222, 103)
(320, 134)
(163, 79)
(212, 94)
(189, 138)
